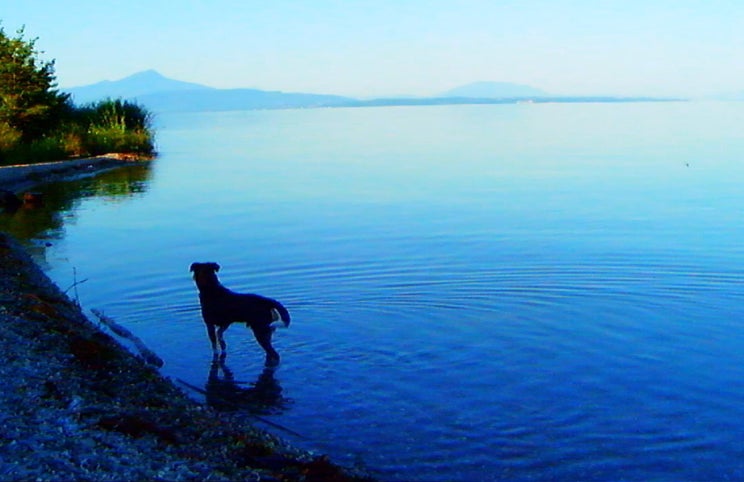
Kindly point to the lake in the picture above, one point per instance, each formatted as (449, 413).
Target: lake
(525, 292)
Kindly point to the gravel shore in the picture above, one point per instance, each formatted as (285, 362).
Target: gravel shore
(76, 405)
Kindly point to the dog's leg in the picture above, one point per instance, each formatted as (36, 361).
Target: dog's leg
(212, 337)
(221, 338)
(263, 337)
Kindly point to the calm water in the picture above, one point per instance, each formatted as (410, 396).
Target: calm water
(478, 292)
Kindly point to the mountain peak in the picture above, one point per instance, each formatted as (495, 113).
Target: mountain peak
(136, 85)
(145, 74)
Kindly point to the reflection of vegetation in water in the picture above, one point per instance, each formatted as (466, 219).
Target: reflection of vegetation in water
(120, 184)
(45, 221)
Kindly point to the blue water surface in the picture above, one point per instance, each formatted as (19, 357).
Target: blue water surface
(522, 292)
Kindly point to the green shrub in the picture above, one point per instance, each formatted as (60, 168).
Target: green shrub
(116, 126)
(115, 114)
(9, 136)
(110, 126)
(40, 150)
(103, 140)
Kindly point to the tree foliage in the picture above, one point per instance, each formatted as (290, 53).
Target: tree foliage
(40, 123)
(30, 104)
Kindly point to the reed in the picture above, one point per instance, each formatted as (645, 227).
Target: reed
(115, 114)
(116, 126)
(108, 126)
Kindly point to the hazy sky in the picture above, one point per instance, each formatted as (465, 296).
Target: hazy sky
(394, 47)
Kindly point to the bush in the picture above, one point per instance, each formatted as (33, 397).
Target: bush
(9, 136)
(116, 126)
(109, 126)
(40, 150)
(117, 114)
(103, 140)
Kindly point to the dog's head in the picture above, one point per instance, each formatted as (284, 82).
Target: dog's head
(205, 274)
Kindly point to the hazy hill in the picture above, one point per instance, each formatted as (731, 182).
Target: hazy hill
(161, 94)
(495, 90)
(136, 85)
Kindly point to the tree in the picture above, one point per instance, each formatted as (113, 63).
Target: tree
(30, 104)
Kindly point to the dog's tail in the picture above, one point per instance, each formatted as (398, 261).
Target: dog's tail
(279, 312)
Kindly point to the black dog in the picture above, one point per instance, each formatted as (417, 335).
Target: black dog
(220, 307)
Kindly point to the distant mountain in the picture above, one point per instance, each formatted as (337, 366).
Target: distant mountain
(161, 94)
(495, 90)
(140, 84)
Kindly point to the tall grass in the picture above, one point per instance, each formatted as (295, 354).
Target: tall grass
(108, 126)
(116, 126)
(115, 114)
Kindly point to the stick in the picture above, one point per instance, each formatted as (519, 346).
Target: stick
(149, 356)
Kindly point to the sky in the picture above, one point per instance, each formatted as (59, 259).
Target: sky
(373, 48)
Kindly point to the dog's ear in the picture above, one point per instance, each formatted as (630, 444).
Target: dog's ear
(214, 266)
(193, 267)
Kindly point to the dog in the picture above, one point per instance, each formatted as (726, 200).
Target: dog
(221, 307)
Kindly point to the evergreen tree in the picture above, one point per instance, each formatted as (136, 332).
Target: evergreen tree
(30, 104)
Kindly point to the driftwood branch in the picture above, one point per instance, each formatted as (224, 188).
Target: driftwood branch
(148, 355)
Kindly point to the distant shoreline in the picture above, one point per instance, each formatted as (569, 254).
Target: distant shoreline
(434, 101)
(247, 99)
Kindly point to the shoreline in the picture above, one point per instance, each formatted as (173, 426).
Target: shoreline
(78, 405)
(22, 177)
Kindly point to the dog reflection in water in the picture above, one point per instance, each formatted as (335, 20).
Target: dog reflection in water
(221, 307)
(262, 397)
